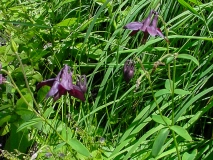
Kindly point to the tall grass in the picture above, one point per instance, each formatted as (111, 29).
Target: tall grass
(163, 113)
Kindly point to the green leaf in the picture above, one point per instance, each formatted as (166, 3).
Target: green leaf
(79, 147)
(29, 124)
(22, 104)
(186, 5)
(159, 141)
(67, 22)
(48, 111)
(189, 57)
(25, 114)
(162, 92)
(5, 119)
(169, 59)
(169, 85)
(158, 119)
(181, 132)
(187, 156)
(181, 92)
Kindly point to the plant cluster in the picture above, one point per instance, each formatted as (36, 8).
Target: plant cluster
(76, 84)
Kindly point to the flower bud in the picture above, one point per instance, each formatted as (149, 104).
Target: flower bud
(128, 70)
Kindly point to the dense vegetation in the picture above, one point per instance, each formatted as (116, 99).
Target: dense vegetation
(163, 111)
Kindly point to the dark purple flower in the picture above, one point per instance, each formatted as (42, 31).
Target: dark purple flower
(61, 85)
(146, 27)
(128, 70)
(2, 79)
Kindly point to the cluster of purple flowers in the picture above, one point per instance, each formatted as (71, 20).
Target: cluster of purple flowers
(62, 84)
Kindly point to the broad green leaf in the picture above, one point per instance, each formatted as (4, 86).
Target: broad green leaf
(5, 119)
(186, 5)
(67, 22)
(162, 92)
(29, 123)
(25, 114)
(187, 156)
(59, 146)
(159, 141)
(187, 56)
(181, 132)
(22, 104)
(181, 92)
(67, 133)
(169, 85)
(48, 111)
(79, 147)
(158, 119)
(169, 59)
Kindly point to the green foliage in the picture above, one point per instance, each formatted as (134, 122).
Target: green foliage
(164, 112)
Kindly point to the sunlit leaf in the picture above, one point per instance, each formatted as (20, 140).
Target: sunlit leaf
(29, 124)
(181, 132)
(158, 119)
(67, 22)
(189, 57)
(159, 141)
(162, 92)
(181, 92)
(79, 147)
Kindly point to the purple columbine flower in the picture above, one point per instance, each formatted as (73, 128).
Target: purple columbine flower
(146, 27)
(2, 79)
(128, 70)
(61, 85)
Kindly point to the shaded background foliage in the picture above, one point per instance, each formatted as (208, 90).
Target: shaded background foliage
(118, 120)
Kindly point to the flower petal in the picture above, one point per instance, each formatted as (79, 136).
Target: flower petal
(145, 37)
(152, 30)
(160, 33)
(66, 78)
(48, 82)
(56, 96)
(146, 22)
(133, 26)
(77, 93)
(133, 32)
(53, 90)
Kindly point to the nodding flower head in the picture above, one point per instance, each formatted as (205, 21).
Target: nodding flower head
(61, 85)
(146, 27)
(128, 70)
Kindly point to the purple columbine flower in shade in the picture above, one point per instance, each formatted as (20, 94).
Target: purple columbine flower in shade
(146, 27)
(128, 70)
(61, 85)
(2, 79)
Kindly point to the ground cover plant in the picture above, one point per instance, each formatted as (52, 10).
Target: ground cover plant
(106, 79)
